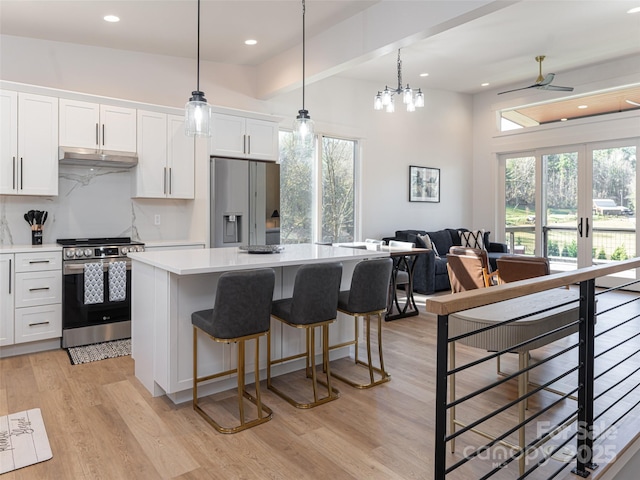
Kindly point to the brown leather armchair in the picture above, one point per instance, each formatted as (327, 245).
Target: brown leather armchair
(468, 269)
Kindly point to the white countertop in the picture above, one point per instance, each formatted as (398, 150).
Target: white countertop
(172, 243)
(196, 261)
(26, 248)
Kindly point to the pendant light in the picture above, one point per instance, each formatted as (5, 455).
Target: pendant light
(197, 112)
(303, 125)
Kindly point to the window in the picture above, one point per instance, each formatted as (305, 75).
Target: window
(317, 190)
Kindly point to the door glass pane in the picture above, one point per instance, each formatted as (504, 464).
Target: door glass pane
(520, 204)
(560, 193)
(337, 209)
(296, 191)
(614, 204)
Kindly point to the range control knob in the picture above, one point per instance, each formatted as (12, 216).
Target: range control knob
(87, 253)
(125, 250)
(79, 253)
(69, 253)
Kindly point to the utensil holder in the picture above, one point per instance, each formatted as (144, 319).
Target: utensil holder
(36, 234)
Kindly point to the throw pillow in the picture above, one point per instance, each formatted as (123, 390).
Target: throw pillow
(428, 243)
(473, 239)
(426, 240)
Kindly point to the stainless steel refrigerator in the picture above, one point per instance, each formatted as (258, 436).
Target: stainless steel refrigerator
(246, 202)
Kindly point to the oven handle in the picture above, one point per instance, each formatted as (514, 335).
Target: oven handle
(76, 268)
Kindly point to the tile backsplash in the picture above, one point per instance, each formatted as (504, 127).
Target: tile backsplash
(95, 202)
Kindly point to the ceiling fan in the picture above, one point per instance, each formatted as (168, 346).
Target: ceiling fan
(543, 83)
(631, 102)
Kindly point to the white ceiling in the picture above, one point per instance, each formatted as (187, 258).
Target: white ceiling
(460, 43)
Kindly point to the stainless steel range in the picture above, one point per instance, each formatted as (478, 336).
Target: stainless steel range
(96, 289)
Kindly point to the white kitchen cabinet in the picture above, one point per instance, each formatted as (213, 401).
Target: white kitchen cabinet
(241, 137)
(29, 144)
(38, 296)
(7, 289)
(166, 157)
(96, 126)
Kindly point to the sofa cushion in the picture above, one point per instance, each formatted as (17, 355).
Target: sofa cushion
(441, 266)
(442, 240)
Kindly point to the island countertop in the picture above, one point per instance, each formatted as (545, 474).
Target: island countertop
(210, 260)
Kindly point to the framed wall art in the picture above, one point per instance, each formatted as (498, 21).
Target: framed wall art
(424, 184)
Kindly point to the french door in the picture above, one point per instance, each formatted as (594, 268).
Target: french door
(575, 205)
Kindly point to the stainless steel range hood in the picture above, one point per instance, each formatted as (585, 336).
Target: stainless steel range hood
(90, 157)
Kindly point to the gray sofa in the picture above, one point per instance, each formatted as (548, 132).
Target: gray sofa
(430, 274)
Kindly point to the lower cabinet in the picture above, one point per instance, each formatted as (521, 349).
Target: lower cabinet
(31, 295)
(38, 323)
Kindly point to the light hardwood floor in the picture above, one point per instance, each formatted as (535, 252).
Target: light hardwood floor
(103, 424)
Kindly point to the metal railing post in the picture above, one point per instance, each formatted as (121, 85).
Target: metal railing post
(439, 468)
(586, 350)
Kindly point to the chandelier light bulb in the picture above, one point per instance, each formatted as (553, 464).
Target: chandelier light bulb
(377, 102)
(419, 99)
(386, 96)
(411, 107)
(391, 106)
(407, 96)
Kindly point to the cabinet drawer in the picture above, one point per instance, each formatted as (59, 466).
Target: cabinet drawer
(38, 288)
(38, 261)
(38, 323)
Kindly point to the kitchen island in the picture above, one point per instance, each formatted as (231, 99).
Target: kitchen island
(167, 286)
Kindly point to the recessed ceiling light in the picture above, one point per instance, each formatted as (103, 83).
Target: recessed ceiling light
(484, 84)
(111, 18)
(563, 119)
(634, 10)
(424, 74)
(582, 106)
(250, 42)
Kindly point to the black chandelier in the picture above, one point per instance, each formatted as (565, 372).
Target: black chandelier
(410, 98)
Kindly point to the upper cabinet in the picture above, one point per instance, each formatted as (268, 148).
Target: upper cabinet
(241, 137)
(166, 157)
(91, 125)
(29, 144)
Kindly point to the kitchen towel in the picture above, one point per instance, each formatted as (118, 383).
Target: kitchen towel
(93, 283)
(117, 281)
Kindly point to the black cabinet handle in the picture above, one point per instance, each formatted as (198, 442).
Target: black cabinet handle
(9, 275)
(580, 227)
(21, 172)
(97, 135)
(170, 178)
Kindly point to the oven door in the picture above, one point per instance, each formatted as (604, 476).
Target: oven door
(76, 313)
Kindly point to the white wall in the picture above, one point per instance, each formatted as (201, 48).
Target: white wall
(439, 135)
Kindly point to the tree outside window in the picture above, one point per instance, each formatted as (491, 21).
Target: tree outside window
(317, 198)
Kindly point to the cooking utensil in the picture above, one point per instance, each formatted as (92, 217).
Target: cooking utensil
(26, 217)
(44, 217)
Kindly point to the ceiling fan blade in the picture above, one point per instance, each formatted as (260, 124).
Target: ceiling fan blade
(547, 80)
(535, 85)
(556, 88)
(631, 102)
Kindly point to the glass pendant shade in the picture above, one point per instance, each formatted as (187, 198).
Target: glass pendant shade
(377, 102)
(386, 97)
(303, 127)
(407, 96)
(197, 116)
(419, 99)
(391, 106)
(411, 107)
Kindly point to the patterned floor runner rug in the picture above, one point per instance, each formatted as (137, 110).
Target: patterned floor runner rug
(23, 440)
(99, 351)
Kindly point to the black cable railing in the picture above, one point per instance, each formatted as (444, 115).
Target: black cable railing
(602, 369)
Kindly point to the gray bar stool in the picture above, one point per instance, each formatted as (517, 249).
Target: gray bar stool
(241, 312)
(366, 297)
(314, 303)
